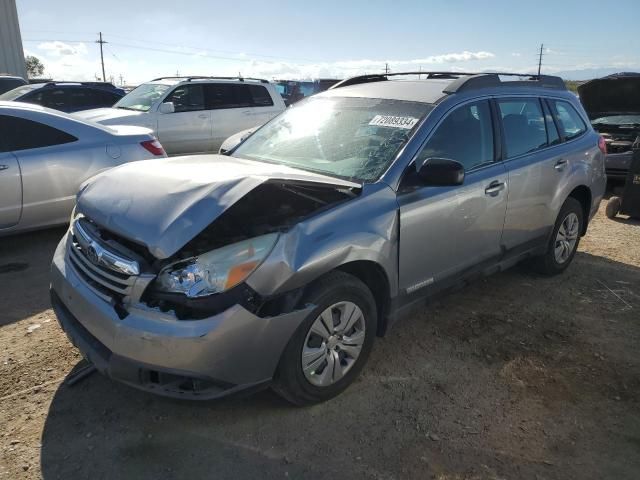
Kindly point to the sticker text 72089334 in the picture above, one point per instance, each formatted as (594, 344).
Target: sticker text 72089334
(392, 121)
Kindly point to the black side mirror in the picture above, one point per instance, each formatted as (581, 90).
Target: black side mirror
(441, 172)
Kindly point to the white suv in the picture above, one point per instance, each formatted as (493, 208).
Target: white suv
(193, 114)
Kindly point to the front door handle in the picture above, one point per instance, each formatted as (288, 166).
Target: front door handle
(4, 167)
(494, 188)
(203, 116)
(560, 164)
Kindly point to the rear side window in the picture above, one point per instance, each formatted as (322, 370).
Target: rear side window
(569, 120)
(523, 125)
(233, 95)
(260, 96)
(105, 98)
(465, 135)
(22, 134)
(187, 98)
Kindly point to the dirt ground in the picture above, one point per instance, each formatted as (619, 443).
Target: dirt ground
(516, 376)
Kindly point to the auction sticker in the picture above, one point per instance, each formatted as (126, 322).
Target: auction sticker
(392, 121)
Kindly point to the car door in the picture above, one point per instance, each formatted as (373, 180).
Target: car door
(535, 166)
(48, 159)
(10, 182)
(445, 230)
(188, 128)
(262, 106)
(231, 110)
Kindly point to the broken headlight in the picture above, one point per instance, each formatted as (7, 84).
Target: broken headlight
(217, 270)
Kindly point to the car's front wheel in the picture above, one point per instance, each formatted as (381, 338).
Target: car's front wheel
(328, 350)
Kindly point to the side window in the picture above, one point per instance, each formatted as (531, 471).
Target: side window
(220, 95)
(260, 96)
(105, 98)
(187, 98)
(22, 134)
(465, 135)
(570, 122)
(242, 96)
(553, 137)
(523, 125)
(51, 98)
(82, 97)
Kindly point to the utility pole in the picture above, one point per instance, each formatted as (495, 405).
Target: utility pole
(121, 80)
(102, 42)
(540, 58)
(386, 68)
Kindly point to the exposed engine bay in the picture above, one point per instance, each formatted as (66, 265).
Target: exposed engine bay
(271, 207)
(620, 139)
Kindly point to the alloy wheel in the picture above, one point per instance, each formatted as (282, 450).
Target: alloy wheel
(567, 238)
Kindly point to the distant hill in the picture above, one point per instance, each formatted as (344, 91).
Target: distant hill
(588, 73)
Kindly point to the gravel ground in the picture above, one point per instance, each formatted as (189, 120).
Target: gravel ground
(516, 376)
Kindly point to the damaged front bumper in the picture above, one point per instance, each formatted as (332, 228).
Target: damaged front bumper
(153, 351)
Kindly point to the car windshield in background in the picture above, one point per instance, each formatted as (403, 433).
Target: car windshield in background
(615, 120)
(16, 92)
(142, 97)
(353, 138)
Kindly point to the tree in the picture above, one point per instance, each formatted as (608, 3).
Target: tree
(35, 67)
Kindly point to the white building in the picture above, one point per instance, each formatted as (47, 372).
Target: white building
(11, 53)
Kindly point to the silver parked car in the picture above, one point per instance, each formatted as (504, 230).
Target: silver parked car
(279, 264)
(45, 155)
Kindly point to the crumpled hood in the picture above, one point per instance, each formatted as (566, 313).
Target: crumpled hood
(165, 203)
(107, 115)
(612, 95)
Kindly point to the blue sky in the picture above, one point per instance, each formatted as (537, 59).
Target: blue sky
(278, 39)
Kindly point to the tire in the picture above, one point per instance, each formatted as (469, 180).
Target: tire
(549, 263)
(613, 207)
(335, 293)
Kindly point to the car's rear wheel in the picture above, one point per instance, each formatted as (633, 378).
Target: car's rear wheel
(564, 240)
(329, 349)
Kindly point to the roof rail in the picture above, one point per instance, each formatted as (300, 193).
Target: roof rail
(204, 77)
(488, 80)
(94, 84)
(464, 80)
(380, 77)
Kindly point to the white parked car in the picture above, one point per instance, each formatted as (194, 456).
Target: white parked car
(193, 114)
(45, 155)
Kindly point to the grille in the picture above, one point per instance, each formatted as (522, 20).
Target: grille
(87, 255)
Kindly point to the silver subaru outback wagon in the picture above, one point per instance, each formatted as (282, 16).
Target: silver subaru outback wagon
(278, 265)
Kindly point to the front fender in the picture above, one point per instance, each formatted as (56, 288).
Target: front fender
(365, 228)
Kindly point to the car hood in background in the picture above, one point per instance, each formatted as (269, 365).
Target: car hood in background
(107, 115)
(612, 95)
(163, 204)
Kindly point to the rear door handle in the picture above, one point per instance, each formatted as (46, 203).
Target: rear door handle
(203, 115)
(494, 188)
(560, 164)
(4, 167)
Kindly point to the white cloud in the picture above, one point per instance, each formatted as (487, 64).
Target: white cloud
(61, 49)
(516, 54)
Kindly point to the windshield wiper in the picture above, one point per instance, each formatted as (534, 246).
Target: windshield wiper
(128, 108)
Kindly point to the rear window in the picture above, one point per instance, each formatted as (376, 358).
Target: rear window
(22, 134)
(569, 120)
